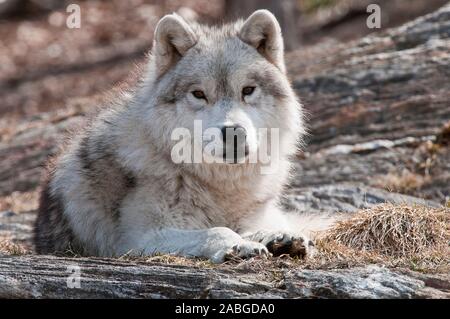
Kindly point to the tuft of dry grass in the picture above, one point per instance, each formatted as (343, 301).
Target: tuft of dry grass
(404, 183)
(416, 237)
(19, 202)
(9, 248)
(170, 259)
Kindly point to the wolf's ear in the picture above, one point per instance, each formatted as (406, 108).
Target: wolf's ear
(262, 31)
(173, 37)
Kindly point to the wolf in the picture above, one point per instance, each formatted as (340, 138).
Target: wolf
(115, 188)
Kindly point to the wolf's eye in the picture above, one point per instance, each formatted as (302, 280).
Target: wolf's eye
(199, 94)
(248, 90)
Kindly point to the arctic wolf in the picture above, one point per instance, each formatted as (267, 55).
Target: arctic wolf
(116, 189)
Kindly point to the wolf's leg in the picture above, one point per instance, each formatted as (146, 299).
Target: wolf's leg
(217, 244)
(273, 230)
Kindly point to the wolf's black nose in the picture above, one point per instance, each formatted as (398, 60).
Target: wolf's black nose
(233, 133)
(234, 140)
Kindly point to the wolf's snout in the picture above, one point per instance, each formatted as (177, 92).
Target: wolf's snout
(233, 131)
(234, 141)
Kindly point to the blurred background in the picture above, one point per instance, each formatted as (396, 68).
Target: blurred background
(43, 62)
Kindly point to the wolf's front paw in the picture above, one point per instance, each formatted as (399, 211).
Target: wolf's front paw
(283, 243)
(244, 249)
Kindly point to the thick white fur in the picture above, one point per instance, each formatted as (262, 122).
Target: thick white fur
(190, 209)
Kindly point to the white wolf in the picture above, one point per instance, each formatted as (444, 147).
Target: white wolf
(115, 188)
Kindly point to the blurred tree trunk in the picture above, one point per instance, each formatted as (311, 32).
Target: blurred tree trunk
(286, 11)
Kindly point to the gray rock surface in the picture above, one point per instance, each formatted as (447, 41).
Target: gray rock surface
(367, 282)
(47, 277)
(343, 198)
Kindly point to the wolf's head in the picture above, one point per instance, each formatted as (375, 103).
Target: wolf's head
(225, 87)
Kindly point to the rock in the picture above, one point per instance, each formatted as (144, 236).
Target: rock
(7, 213)
(343, 20)
(18, 228)
(24, 156)
(375, 88)
(343, 198)
(367, 282)
(47, 277)
(372, 105)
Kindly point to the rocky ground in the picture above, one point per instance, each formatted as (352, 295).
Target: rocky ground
(379, 116)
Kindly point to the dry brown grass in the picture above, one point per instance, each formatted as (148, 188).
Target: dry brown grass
(172, 260)
(9, 248)
(404, 183)
(416, 237)
(19, 202)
